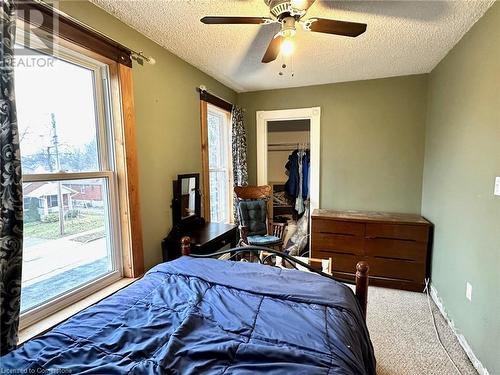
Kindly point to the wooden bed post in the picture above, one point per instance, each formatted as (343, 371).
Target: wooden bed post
(186, 245)
(362, 269)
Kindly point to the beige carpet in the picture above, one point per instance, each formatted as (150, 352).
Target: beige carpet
(404, 339)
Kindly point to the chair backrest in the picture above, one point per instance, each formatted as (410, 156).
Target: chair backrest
(253, 207)
(253, 192)
(253, 215)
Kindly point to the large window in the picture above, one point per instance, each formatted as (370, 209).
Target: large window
(219, 165)
(218, 186)
(71, 231)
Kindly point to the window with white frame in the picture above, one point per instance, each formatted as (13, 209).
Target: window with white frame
(71, 238)
(219, 164)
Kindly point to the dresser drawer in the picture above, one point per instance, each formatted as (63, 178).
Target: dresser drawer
(395, 269)
(341, 262)
(345, 228)
(397, 231)
(337, 243)
(396, 249)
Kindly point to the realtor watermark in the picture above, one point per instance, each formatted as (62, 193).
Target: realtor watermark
(30, 62)
(36, 371)
(36, 38)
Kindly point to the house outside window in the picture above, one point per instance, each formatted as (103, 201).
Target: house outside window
(52, 201)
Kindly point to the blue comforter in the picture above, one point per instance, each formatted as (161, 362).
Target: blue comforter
(206, 316)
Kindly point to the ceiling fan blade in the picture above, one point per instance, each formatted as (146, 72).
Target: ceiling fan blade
(322, 25)
(302, 4)
(273, 49)
(223, 20)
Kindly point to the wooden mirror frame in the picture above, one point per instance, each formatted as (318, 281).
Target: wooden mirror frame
(176, 203)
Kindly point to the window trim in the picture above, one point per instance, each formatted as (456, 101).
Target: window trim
(204, 107)
(50, 321)
(128, 170)
(40, 312)
(72, 30)
(216, 101)
(204, 160)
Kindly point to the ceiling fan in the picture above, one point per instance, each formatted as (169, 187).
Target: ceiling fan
(289, 13)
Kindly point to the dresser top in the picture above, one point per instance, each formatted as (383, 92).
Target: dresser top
(375, 216)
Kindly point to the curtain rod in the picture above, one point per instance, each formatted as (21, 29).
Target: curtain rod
(137, 56)
(203, 90)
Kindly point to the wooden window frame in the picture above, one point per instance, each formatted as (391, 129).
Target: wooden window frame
(128, 176)
(126, 210)
(204, 160)
(60, 25)
(205, 99)
(127, 167)
(82, 39)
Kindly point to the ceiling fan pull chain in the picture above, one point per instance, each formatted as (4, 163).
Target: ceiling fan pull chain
(287, 66)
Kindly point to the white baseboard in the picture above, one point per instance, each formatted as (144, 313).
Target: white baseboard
(461, 339)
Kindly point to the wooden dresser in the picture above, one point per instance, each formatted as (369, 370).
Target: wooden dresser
(396, 246)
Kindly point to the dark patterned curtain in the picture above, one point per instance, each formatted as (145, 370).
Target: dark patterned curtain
(11, 206)
(239, 143)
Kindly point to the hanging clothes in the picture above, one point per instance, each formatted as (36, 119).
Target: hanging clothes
(306, 161)
(297, 185)
(299, 201)
(292, 167)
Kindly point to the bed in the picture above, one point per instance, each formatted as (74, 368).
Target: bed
(210, 316)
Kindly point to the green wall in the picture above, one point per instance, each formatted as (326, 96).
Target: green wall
(462, 158)
(372, 139)
(168, 120)
(376, 137)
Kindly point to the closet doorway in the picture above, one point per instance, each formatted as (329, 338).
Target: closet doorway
(288, 149)
(289, 118)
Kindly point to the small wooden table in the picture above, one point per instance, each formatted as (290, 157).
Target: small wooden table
(206, 238)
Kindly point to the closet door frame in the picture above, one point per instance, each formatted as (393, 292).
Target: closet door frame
(314, 116)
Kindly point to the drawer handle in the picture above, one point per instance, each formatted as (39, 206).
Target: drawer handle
(337, 252)
(339, 234)
(396, 259)
(389, 238)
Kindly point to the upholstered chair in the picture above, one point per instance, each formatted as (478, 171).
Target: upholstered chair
(256, 226)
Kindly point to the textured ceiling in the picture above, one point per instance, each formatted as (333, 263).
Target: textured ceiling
(403, 37)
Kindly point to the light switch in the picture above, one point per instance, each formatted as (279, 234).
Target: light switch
(497, 186)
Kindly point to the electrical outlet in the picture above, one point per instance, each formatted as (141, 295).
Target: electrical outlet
(497, 186)
(468, 291)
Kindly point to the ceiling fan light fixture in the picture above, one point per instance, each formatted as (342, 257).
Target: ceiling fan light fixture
(290, 33)
(288, 27)
(299, 4)
(288, 46)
